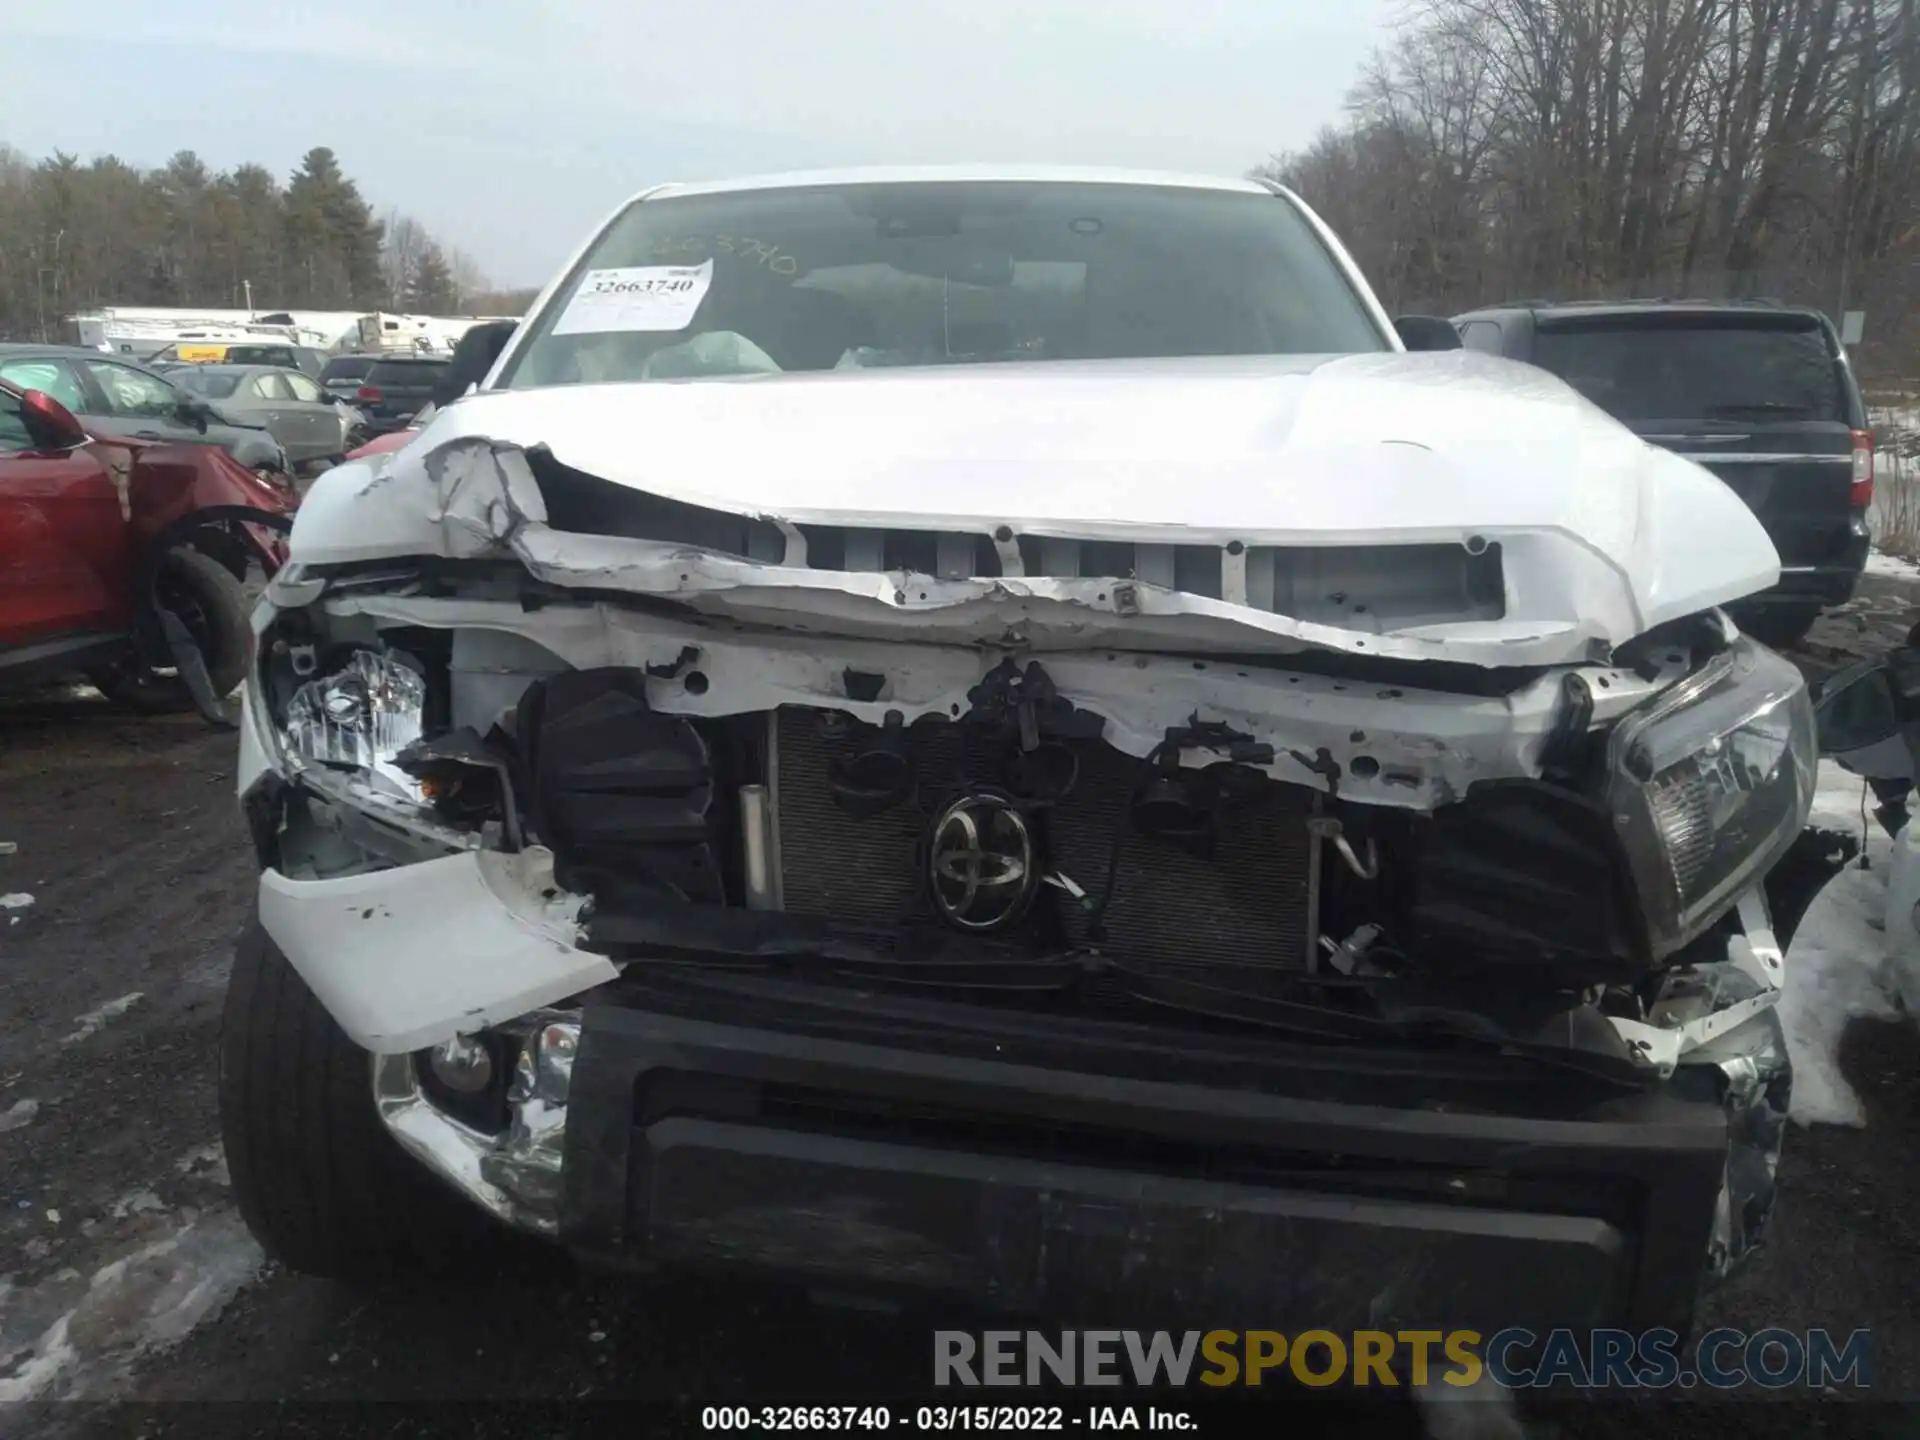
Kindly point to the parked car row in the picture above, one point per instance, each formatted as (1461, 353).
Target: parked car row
(303, 358)
(113, 396)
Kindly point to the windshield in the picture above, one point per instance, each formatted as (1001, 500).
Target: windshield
(209, 383)
(1667, 368)
(858, 276)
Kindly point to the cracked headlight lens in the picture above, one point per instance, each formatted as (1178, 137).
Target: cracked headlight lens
(361, 717)
(1709, 785)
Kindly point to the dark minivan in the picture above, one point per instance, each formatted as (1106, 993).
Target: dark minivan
(1760, 394)
(388, 389)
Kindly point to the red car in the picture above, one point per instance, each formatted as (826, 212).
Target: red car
(124, 560)
(394, 439)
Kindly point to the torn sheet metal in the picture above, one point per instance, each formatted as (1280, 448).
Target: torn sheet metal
(408, 957)
(1039, 613)
(1601, 535)
(1391, 745)
(1701, 1005)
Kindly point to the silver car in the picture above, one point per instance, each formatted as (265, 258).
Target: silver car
(309, 423)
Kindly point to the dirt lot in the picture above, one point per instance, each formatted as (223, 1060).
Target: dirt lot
(117, 1233)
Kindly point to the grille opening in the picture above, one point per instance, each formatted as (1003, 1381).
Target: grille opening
(1372, 587)
(929, 1124)
(1245, 907)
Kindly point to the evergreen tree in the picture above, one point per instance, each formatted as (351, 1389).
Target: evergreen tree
(432, 291)
(333, 240)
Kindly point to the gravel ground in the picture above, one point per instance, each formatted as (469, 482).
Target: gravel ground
(114, 1211)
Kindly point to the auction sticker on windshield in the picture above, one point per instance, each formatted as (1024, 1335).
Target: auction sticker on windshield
(636, 297)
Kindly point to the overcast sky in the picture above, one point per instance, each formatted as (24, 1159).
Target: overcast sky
(508, 128)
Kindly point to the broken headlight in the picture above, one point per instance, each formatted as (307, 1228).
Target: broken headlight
(361, 717)
(1708, 786)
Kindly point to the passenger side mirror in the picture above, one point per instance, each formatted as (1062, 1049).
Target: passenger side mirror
(51, 424)
(194, 412)
(1427, 332)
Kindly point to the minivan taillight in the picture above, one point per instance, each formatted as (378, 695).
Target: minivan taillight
(369, 393)
(1862, 469)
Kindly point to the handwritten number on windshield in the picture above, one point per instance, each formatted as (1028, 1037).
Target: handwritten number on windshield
(752, 251)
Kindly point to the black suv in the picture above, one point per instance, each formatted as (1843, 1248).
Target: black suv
(1760, 394)
(388, 389)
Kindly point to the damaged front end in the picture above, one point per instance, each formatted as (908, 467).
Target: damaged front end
(572, 756)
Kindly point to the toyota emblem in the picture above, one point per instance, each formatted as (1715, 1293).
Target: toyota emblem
(980, 865)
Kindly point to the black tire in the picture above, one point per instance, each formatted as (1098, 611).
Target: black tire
(214, 605)
(322, 1185)
(1779, 627)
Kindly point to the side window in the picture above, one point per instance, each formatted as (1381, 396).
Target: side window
(303, 389)
(261, 387)
(53, 377)
(274, 387)
(14, 435)
(131, 395)
(1482, 335)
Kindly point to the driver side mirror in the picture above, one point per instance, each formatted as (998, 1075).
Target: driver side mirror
(51, 424)
(1427, 332)
(193, 412)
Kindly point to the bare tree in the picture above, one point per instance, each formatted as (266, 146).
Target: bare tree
(1505, 148)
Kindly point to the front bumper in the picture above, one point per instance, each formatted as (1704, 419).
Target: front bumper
(856, 1141)
(1024, 1166)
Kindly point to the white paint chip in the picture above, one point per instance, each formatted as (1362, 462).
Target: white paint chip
(18, 1115)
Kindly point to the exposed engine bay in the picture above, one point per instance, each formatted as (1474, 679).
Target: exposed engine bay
(1116, 835)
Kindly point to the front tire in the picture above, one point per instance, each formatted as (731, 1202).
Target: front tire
(322, 1185)
(213, 605)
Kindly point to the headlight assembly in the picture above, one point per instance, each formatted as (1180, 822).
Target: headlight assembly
(361, 717)
(1709, 785)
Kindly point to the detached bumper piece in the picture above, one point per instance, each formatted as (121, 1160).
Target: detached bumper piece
(1022, 1168)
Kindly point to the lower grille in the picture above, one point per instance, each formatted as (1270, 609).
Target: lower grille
(1244, 908)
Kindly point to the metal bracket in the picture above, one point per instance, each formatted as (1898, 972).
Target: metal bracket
(1756, 954)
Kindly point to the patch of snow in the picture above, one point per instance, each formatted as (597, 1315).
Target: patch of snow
(1891, 566)
(136, 1203)
(84, 1335)
(1843, 802)
(1837, 967)
(94, 1020)
(18, 1115)
(18, 900)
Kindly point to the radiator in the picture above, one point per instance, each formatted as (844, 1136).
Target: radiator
(1244, 907)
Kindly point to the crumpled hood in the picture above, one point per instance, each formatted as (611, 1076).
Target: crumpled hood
(1602, 535)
